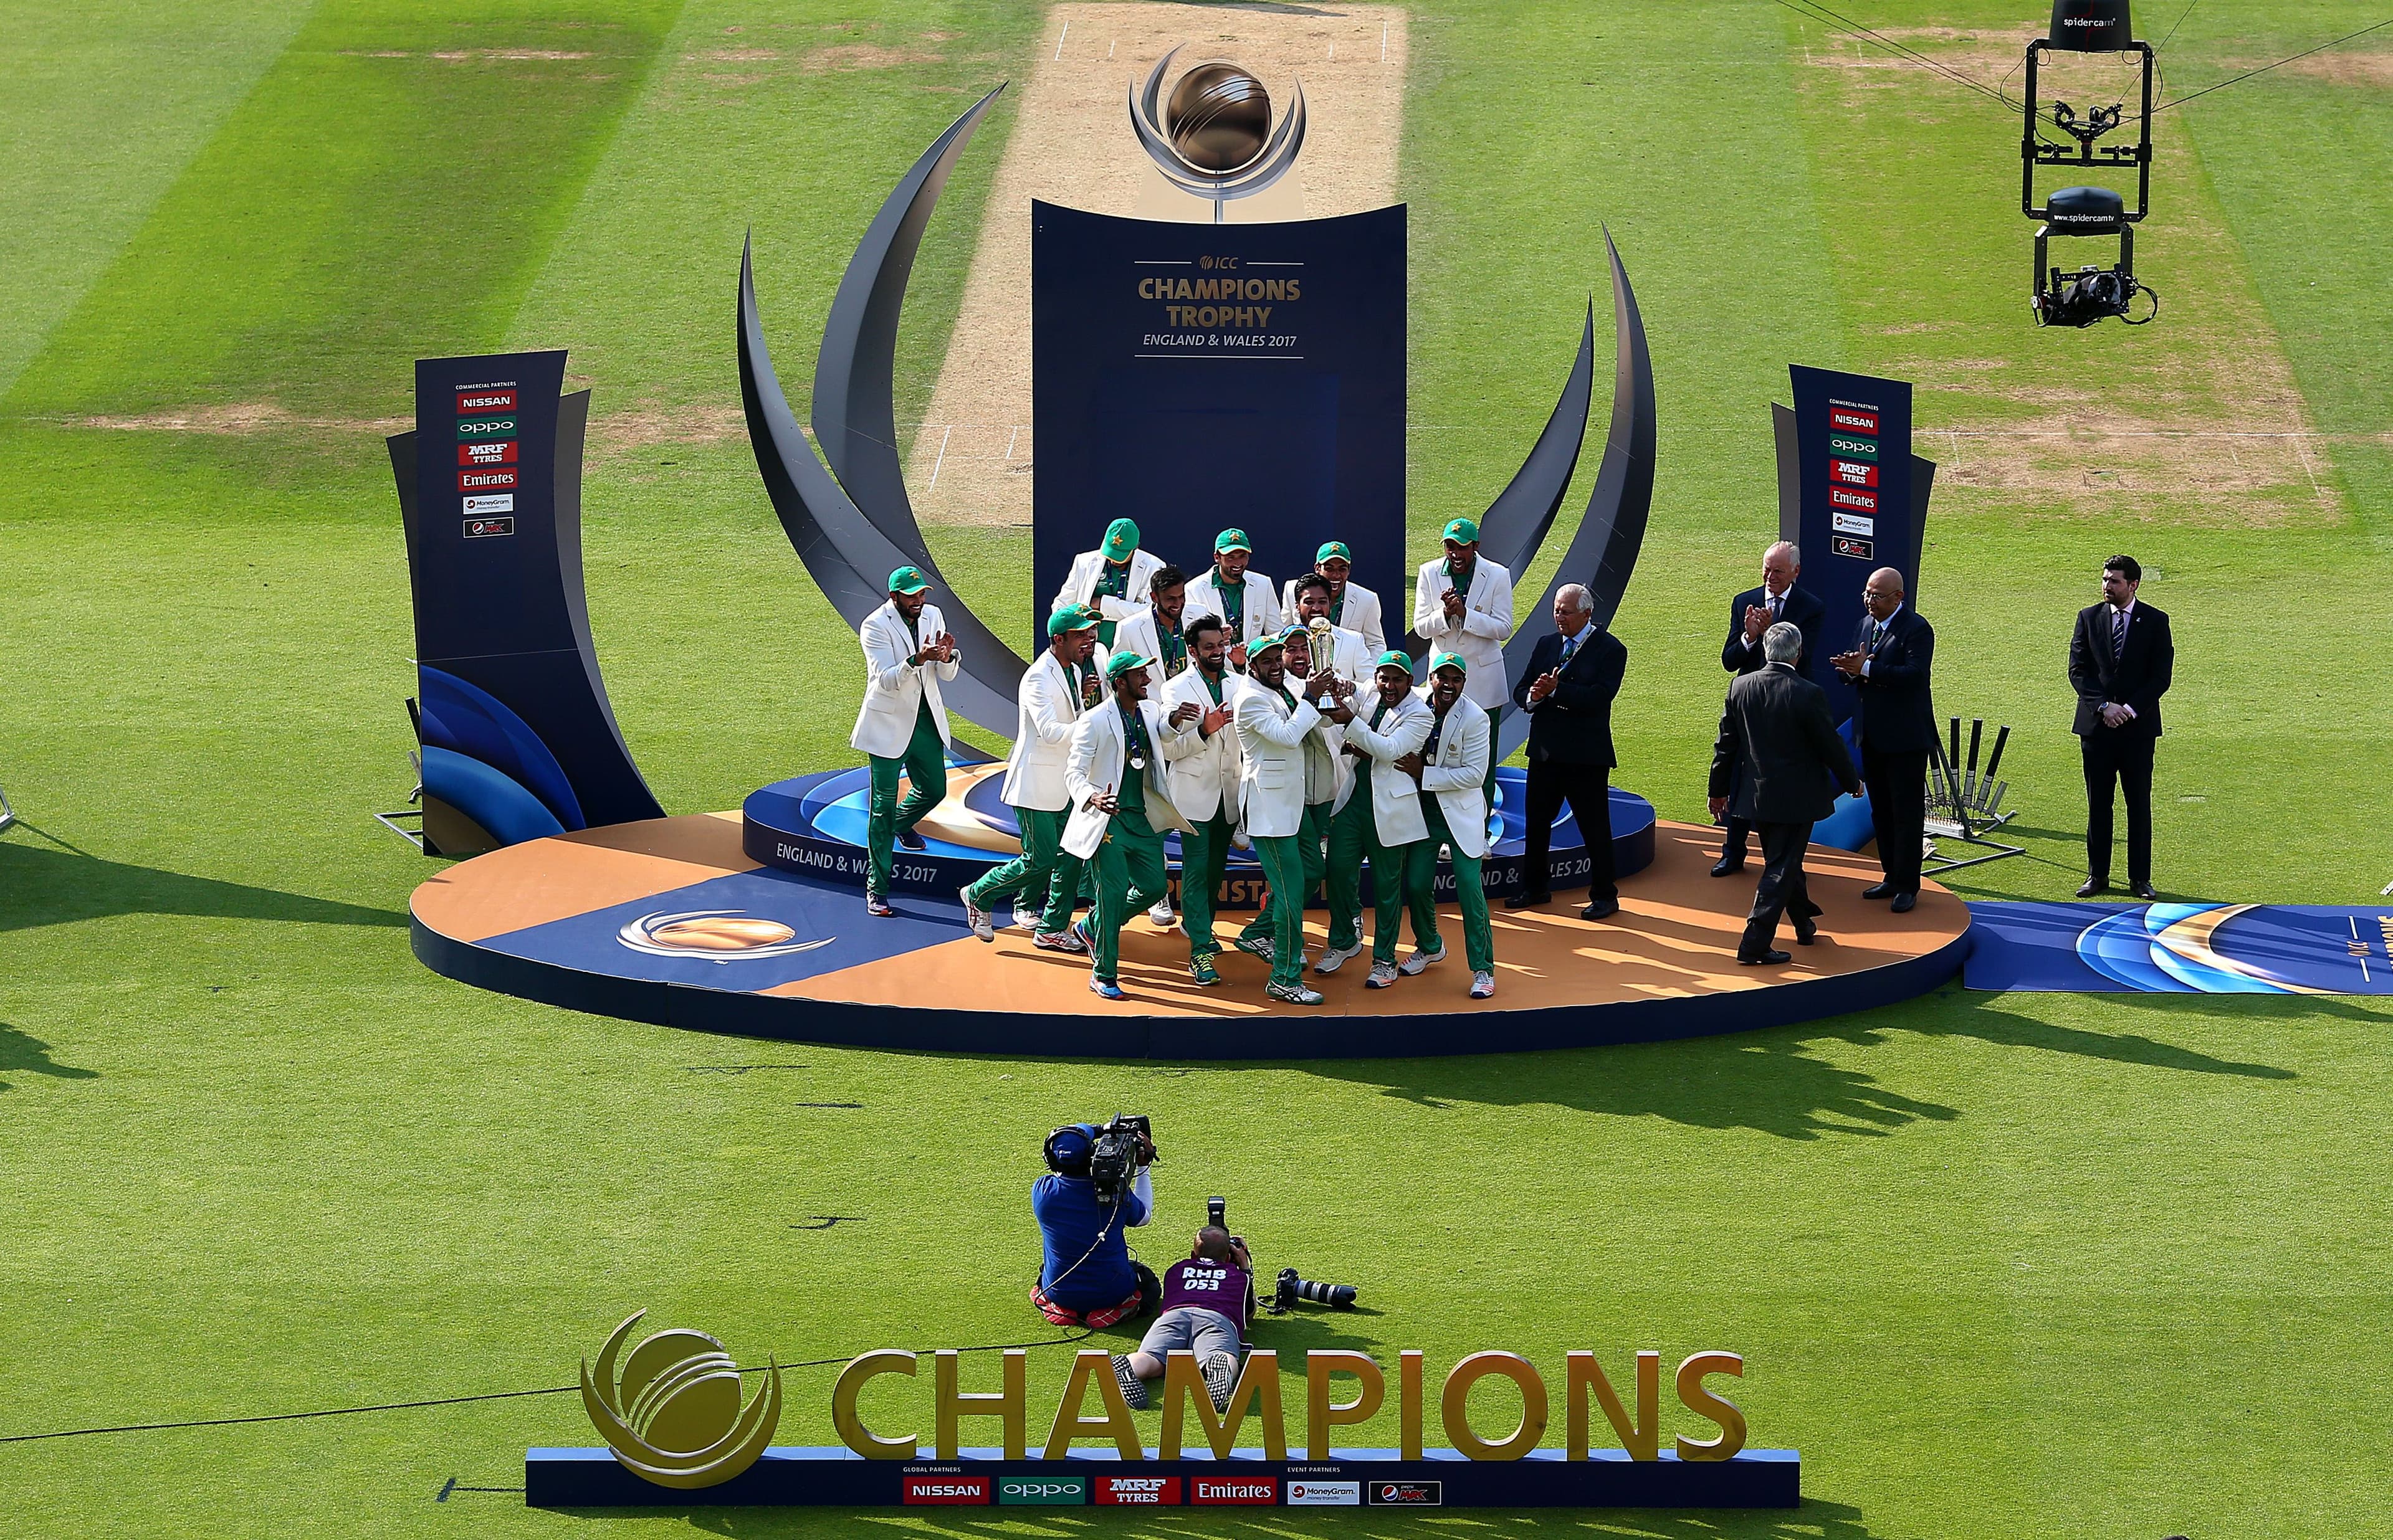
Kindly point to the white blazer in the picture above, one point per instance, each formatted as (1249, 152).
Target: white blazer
(1360, 612)
(1479, 637)
(1206, 781)
(1395, 801)
(1098, 753)
(1456, 775)
(1139, 635)
(1262, 612)
(1272, 780)
(1046, 707)
(1080, 586)
(895, 689)
(1352, 661)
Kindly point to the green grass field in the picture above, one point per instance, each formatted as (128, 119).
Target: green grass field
(2001, 1265)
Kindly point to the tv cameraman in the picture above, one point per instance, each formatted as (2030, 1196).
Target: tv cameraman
(1087, 1277)
(1208, 1300)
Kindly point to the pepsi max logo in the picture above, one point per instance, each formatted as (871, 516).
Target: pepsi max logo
(1845, 545)
(1408, 1494)
(483, 529)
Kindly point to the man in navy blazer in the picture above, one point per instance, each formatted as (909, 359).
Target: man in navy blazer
(1567, 690)
(2120, 662)
(1894, 718)
(1749, 614)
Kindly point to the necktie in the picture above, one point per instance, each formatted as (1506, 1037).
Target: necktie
(1876, 636)
(2118, 633)
(1775, 601)
(1570, 645)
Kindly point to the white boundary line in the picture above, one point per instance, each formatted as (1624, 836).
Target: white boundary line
(943, 456)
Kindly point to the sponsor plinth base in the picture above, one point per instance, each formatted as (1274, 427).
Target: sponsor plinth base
(1358, 1478)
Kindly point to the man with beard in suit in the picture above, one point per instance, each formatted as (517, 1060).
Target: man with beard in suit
(1776, 733)
(1749, 614)
(2120, 661)
(1895, 719)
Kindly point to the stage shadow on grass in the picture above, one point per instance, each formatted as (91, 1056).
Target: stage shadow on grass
(1956, 1012)
(54, 887)
(23, 1051)
(1813, 1521)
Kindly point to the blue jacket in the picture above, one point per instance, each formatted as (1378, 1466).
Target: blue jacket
(1070, 1220)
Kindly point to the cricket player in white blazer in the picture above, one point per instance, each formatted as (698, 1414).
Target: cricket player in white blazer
(1058, 686)
(1235, 594)
(1450, 769)
(1351, 605)
(1122, 803)
(1205, 786)
(1382, 822)
(1462, 603)
(1279, 732)
(902, 726)
(1112, 580)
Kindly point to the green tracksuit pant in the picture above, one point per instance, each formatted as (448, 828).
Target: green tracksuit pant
(1043, 878)
(1282, 915)
(1204, 860)
(1130, 876)
(1311, 835)
(1478, 934)
(924, 766)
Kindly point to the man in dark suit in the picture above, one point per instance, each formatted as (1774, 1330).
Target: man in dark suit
(1776, 733)
(1749, 614)
(2120, 660)
(1567, 690)
(1895, 720)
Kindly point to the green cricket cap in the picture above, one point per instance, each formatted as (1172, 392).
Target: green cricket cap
(1462, 531)
(1121, 540)
(1122, 662)
(1264, 643)
(1446, 659)
(908, 580)
(1334, 551)
(1232, 539)
(1394, 659)
(1071, 617)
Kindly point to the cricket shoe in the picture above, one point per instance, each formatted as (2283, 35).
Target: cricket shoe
(1221, 1379)
(1383, 975)
(1058, 941)
(1200, 968)
(1482, 986)
(1160, 915)
(974, 915)
(1421, 960)
(1105, 989)
(1294, 994)
(1133, 1389)
(1256, 946)
(1332, 959)
(876, 905)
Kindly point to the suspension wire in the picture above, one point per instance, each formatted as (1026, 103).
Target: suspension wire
(1081, 1335)
(2266, 68)
(2179, 22)
(1814, 11)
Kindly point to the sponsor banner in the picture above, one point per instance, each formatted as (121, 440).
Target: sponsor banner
(1234, 1489)
(1852, 523)
(484, 482)
(497, 502)
(1853, 497)
(1143, 1491)
(482, 529)
(1851, 417)
(1852, 473)
(1407, 1494)
(1043, 1491)
(1302, 1494)
(485, 398)
(500, 453)
(488, 427)
(1845, 545)
(950, 1490)
(1859, 448)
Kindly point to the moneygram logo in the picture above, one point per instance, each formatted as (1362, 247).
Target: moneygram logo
(1146, 1491)
(1325, 1493)
(1209, 1489)
(1043, 1491)
(504, 503)
(1852, 523)
(947, 1489)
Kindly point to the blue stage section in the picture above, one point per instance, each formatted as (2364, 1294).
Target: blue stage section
(2181, 948)
(1352, 1477)
(815, 825)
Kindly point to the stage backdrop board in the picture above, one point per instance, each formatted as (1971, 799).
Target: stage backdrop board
(1863, 500)
(490, 489)
(1278, 409)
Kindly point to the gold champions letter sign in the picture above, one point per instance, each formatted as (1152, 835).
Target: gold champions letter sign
(1258, 1394)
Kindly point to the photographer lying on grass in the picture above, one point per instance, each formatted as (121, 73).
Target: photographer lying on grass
(1206, 1300)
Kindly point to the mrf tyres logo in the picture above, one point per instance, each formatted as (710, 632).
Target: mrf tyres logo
(1139, 1491)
